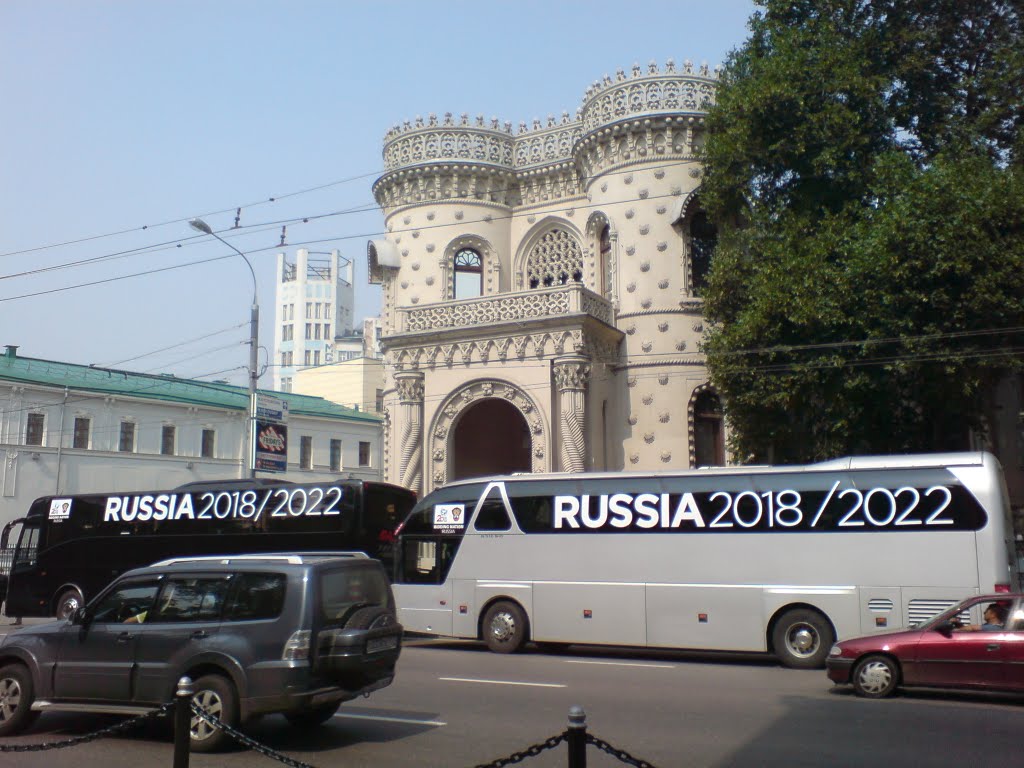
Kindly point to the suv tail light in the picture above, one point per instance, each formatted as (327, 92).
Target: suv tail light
(1002, 587)
(297, 647)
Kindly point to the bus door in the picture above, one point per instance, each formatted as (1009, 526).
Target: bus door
(428, 541)
(423, 594)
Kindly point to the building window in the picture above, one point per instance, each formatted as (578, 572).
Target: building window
(309, 310)
(316, 331)
(291, 311)
(556, 259)
(469, 274)
(126, 444)
(703, 239)
(167, 435)
(81, 437)
(316, 357)
(305, 452)
(317, 315)
(34, 429)
(335, 455)
(309, 330)
(207, 447)
(327, 330)
(708, 437)
(309, 357)
(327, 311)
(364, 454)
(286, 385)
(379, 400)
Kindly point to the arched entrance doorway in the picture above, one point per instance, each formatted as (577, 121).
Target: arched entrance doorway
(491, 437)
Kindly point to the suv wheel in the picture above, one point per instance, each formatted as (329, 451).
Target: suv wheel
(314, 716)
(216, 696)
(16, 698)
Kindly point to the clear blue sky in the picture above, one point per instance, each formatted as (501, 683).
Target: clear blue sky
(131, 117)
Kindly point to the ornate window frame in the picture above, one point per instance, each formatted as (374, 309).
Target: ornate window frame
(691, 420)
(533, 239)
(490, 282)
(603, 270)
(682, 219)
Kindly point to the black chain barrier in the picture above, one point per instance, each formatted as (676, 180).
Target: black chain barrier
(518, 757)
(619, 754)
(241, 738)
(73, 742)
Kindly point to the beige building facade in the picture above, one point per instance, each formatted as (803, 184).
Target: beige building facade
(541, 307)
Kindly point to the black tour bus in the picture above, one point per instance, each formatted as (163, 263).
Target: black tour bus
(70, 547)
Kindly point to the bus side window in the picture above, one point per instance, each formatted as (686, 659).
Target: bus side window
(533, 513)
(492, 516)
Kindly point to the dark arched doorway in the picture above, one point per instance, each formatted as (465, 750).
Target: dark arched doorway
(491, 438)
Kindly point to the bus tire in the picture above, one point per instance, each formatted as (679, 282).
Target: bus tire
(16, 697)
(802, 638)
(876, 677)
(505, 628)
(70, 600)
(216, 695)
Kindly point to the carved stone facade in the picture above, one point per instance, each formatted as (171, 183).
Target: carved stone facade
(578, 347)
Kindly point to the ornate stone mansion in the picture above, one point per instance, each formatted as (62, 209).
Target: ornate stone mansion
(541, 287)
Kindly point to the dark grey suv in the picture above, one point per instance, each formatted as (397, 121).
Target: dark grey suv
(258, 634)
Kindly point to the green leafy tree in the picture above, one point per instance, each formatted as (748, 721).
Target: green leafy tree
(863, 164)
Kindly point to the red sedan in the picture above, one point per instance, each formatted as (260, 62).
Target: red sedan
(977, 644)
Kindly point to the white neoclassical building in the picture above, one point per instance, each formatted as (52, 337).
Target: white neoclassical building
(541, 287)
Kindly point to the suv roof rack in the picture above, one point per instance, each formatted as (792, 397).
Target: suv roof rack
(294, 558)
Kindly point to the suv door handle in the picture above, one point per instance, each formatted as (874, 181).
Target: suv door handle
(199, 634)
(124, 637)
(992, 647)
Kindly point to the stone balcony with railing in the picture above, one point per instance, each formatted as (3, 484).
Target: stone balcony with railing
(519, 307)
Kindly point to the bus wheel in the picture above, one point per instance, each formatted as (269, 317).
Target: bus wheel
(505, 627)
(802, 639)
(70, 600)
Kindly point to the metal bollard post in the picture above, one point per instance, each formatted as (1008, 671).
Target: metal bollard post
(182, 721)
(576, 737)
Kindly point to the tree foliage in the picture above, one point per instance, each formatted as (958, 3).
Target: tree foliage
(864, 165)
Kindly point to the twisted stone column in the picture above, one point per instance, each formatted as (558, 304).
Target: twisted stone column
(410, 456)
(571, 376)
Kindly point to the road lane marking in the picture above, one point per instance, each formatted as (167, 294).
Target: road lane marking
(623, 664)
(500, 682)
(382, 718)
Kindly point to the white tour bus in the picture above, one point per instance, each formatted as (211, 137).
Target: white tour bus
(782, 559)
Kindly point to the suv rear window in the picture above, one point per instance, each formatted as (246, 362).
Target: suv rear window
(343, 589)
(255, 596)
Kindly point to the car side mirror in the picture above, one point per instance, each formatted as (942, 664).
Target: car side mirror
(81, 616)
(945, 628)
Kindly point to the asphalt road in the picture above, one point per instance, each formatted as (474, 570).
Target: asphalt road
(455, 704)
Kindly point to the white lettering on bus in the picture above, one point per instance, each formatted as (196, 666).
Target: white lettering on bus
(126, 509)
(620, 510)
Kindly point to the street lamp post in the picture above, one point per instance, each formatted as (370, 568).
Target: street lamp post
(254, 325)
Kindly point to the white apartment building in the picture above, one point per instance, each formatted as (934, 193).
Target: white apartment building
(313, 313)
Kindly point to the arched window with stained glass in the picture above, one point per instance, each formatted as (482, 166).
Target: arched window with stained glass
(469, 274)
